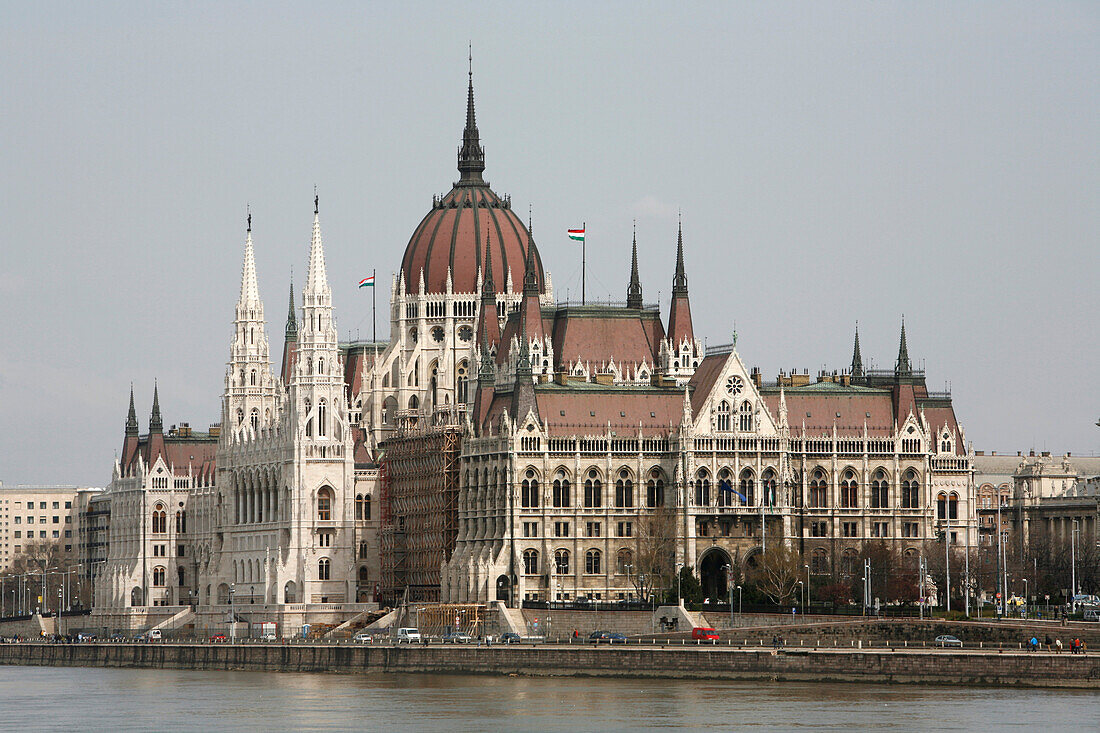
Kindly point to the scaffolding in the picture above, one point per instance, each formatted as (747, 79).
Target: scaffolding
(419, 503)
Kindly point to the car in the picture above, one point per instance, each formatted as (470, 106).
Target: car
(85, 636)
(510, 637)
(155, 634)
(456, 637)
(362, 637)
(704, 633)
(1092, 615)
(408, 635)
(269, 637)
(218, 639)
(614, 637)
(946, 640)
(597, 636)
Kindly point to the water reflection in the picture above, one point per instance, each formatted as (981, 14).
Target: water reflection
(133, 699)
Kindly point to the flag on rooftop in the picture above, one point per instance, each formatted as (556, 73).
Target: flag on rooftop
(367, 282)
(577, 234)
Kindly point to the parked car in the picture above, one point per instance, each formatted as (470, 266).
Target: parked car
(269, 636)
(510, 637)
(948, 640)
(614, 637)
(218, 639)
(1092, 615)
(363, 637)
(409, 635)
(597, 636)
(703, 633)
(85, 636)
(155, 635)
(456, 637)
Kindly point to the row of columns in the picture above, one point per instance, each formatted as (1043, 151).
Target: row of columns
(254, 505)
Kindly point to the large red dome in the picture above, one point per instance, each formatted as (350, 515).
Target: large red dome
(453, 233)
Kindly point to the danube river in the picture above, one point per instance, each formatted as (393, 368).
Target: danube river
(82, 699)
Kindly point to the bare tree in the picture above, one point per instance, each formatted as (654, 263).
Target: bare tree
(656, 556)
(777, 575)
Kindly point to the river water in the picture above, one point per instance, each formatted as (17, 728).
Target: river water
(92, 699)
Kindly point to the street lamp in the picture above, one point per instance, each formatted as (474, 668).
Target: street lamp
(738, 600)
(801, 596)
(729, 588)
(232, 616)
(679, 576)
(1073, 566)
(807, 589)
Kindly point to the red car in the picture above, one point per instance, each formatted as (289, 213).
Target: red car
(701, 633)
(217, 638)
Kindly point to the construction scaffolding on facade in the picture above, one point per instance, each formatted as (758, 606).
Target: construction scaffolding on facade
(419, 501)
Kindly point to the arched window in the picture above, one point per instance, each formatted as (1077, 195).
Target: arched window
(181, 576)
(655, 490)
(725, 488)
(324, 504)
(320, 365)
(561, 492)
(624, 562)
(309, 420)
(848, 562)
(818, 489)
(254, 419)
(290, 592)
(593, 490)
(747, 489)
(624, 490)
(160, 520)
(702, 489)
(359, 506)
(324, 568)
(941, 506)
(463, 381)
(592, 562)
(529, 491)
(240, 416)
(819, 562)
(724, 416)
(181, 522)
(561, 562)
(745, 415)
(768, 487)
(253, 378)
(414, 403)
(910, 491)
(158, 576)
(531, 562)
(953, 506)
(321, 419)
(849, 490)
(880, 490)
(366, 507)
(364, 575)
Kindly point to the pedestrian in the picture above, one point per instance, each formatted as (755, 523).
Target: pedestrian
(1048, 642)
(1058, 645)
(775, 641)
(1034, 644)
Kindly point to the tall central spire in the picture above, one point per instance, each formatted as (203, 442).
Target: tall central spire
(316, 279)
(250, 291)
(680, 280)
(634, 290)
(471, 156)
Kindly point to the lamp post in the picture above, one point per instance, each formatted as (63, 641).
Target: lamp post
(738, 600)
(729, 588)
(1073, 566)
(801, 595)
(232, 616)
(807, 589)
(1025, 594)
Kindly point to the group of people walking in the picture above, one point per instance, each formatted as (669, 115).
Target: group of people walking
(1076, 646)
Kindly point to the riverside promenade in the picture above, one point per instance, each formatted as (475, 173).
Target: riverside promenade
(639, 658)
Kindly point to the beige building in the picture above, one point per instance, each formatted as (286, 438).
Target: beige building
(37, 514)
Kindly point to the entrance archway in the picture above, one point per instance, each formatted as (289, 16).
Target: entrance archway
(713, 575)
(504, 589)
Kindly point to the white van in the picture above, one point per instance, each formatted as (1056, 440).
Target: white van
(154, 634)
(409, 635)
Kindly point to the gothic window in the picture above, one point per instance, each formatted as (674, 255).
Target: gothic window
(320, 365)
(366, 508)
(414, 403)
(625, 562)
(561, 562)
(529, 490)
(818, 489)
(734, 385)
(910, 491)
(593, 491)
(725, 488)
(240, 414)
(655, 490)
(530, 562)
(251, 335)
(309, 420)
(309, 364)
(849, 490)
(592, 562)
(324, 504)
(953, 506)
(364, 575)
(767, 487)
(702, 489)
(745, 415)
(321, 421)
(252, 379)
(358, 506)
(463, 381)
(158, 576)
(181, 576)
(724, 416)
(819, 562)
(465, 333)
(254, 419)
(848, 562)
(437, 334)
(324, 568)
(181, 522)
(747, 494)
(941, 506)
(160, 520)
(624, 490)
(561, 492)
(880, 490)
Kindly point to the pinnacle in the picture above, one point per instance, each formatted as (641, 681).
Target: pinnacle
(250, 290)
(316, 279)
(634, 290)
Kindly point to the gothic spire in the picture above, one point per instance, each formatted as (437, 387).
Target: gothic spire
(156, 425)
(316, 279)
(857, 357)
(488, 327)
(680, 281)
(291, 319)
(488, 287)
(471, 156)
(903, 367)
(250, 291)
(634, 290)
(131, 418)
(530, 273)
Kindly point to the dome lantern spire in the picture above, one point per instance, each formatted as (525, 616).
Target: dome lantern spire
(471, 156)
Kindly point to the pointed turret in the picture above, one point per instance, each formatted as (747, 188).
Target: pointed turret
(471, 156)
(903, 367)
(488, 325)
(156, 424)
(634, 290)
(250, 291)
(131, 417)
(530, 308)
(290, 339)
(291, 319)
(316, 279)
(679, 317)
(523, 393)
(857, 357)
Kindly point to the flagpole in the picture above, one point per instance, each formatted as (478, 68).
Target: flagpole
(373, 319)
(584, 242)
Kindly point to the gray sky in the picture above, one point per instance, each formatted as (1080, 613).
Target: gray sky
(833, 162)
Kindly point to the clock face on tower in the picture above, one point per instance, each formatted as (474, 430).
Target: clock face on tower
(734, 385)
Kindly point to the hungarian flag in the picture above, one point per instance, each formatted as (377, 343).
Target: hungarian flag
(577, 234)
(367, 282)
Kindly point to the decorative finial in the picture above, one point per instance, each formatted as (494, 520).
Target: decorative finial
(248, 210)
(471, 61)
(316, 200)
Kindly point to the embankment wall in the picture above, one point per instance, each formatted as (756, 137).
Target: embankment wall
(927, 667)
